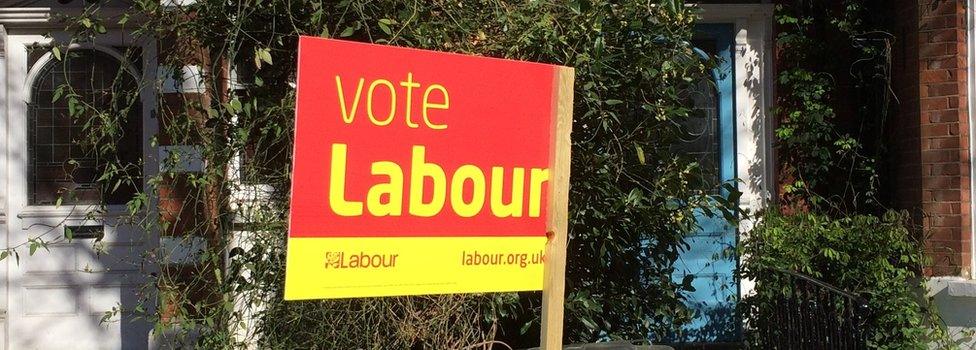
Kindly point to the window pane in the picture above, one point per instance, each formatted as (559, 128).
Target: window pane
(701, 137)
(63, 163)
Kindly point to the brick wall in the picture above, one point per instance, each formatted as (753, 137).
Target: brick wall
(944, 134)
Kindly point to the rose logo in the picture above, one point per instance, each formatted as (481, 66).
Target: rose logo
(333, 259)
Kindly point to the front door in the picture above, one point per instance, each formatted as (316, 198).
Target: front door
(711, 260)
(83, 292)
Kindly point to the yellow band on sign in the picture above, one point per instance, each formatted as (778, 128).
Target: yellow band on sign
(340, 267)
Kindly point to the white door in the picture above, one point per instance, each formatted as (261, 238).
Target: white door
(82, 293)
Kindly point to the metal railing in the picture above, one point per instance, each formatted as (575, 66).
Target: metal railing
(806, 313)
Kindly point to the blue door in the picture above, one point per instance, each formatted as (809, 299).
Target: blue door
(711, 261)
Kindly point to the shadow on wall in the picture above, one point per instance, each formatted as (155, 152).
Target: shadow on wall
(79, 294)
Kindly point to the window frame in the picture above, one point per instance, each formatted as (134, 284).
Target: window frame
(20, 76)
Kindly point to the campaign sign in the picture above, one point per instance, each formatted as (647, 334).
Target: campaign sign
(418, 172)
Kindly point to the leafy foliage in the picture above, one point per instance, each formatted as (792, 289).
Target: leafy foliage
(832, 104)
(877, 258)
(632, 200)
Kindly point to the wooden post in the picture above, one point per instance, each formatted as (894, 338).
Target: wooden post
(554, 283)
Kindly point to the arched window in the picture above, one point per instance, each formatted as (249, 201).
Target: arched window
(66, 156)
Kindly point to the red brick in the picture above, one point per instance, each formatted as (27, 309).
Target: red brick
(930, 50)
(949, 247)
(940, 156)
(956, 103)
(962, 102)
(940, 182)
(934, 130)
(939, 8)
(961, 48)
(937, 269)
(940, 116)
(943, 63)
(939, 89)
(927, 24)
(946, 35)
(948, 169)
(943, 233)
(940, 196)
(935, 103)
(943, 143)
(936, 76)
(945, 221)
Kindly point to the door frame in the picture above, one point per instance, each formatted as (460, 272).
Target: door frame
(752, 29)
(14, 94)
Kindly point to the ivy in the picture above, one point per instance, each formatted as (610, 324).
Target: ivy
(826, 138)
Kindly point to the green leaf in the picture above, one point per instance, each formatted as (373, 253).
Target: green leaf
(57, 93)
(261, 55)
(72, 106)
(640, 154)
(234, 106)
(347, 32)
(57, 53)
(385, 27)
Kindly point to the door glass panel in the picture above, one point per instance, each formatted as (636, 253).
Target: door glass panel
(61, 163)
(700, 137)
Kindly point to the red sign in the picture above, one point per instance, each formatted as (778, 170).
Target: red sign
(417, 150)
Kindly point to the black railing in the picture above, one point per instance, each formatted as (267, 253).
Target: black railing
(795, 311)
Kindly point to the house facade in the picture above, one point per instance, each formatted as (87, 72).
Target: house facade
(67, 297)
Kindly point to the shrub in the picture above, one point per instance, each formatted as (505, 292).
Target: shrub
(878, 258)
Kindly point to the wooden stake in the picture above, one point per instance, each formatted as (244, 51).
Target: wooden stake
(554, 283)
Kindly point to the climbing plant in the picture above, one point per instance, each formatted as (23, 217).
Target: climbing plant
(833, 104)
(632, 199)
(833, 111)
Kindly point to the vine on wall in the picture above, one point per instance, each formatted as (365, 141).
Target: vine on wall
(833, 104)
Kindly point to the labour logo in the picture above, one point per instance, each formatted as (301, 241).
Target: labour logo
(333, 259)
